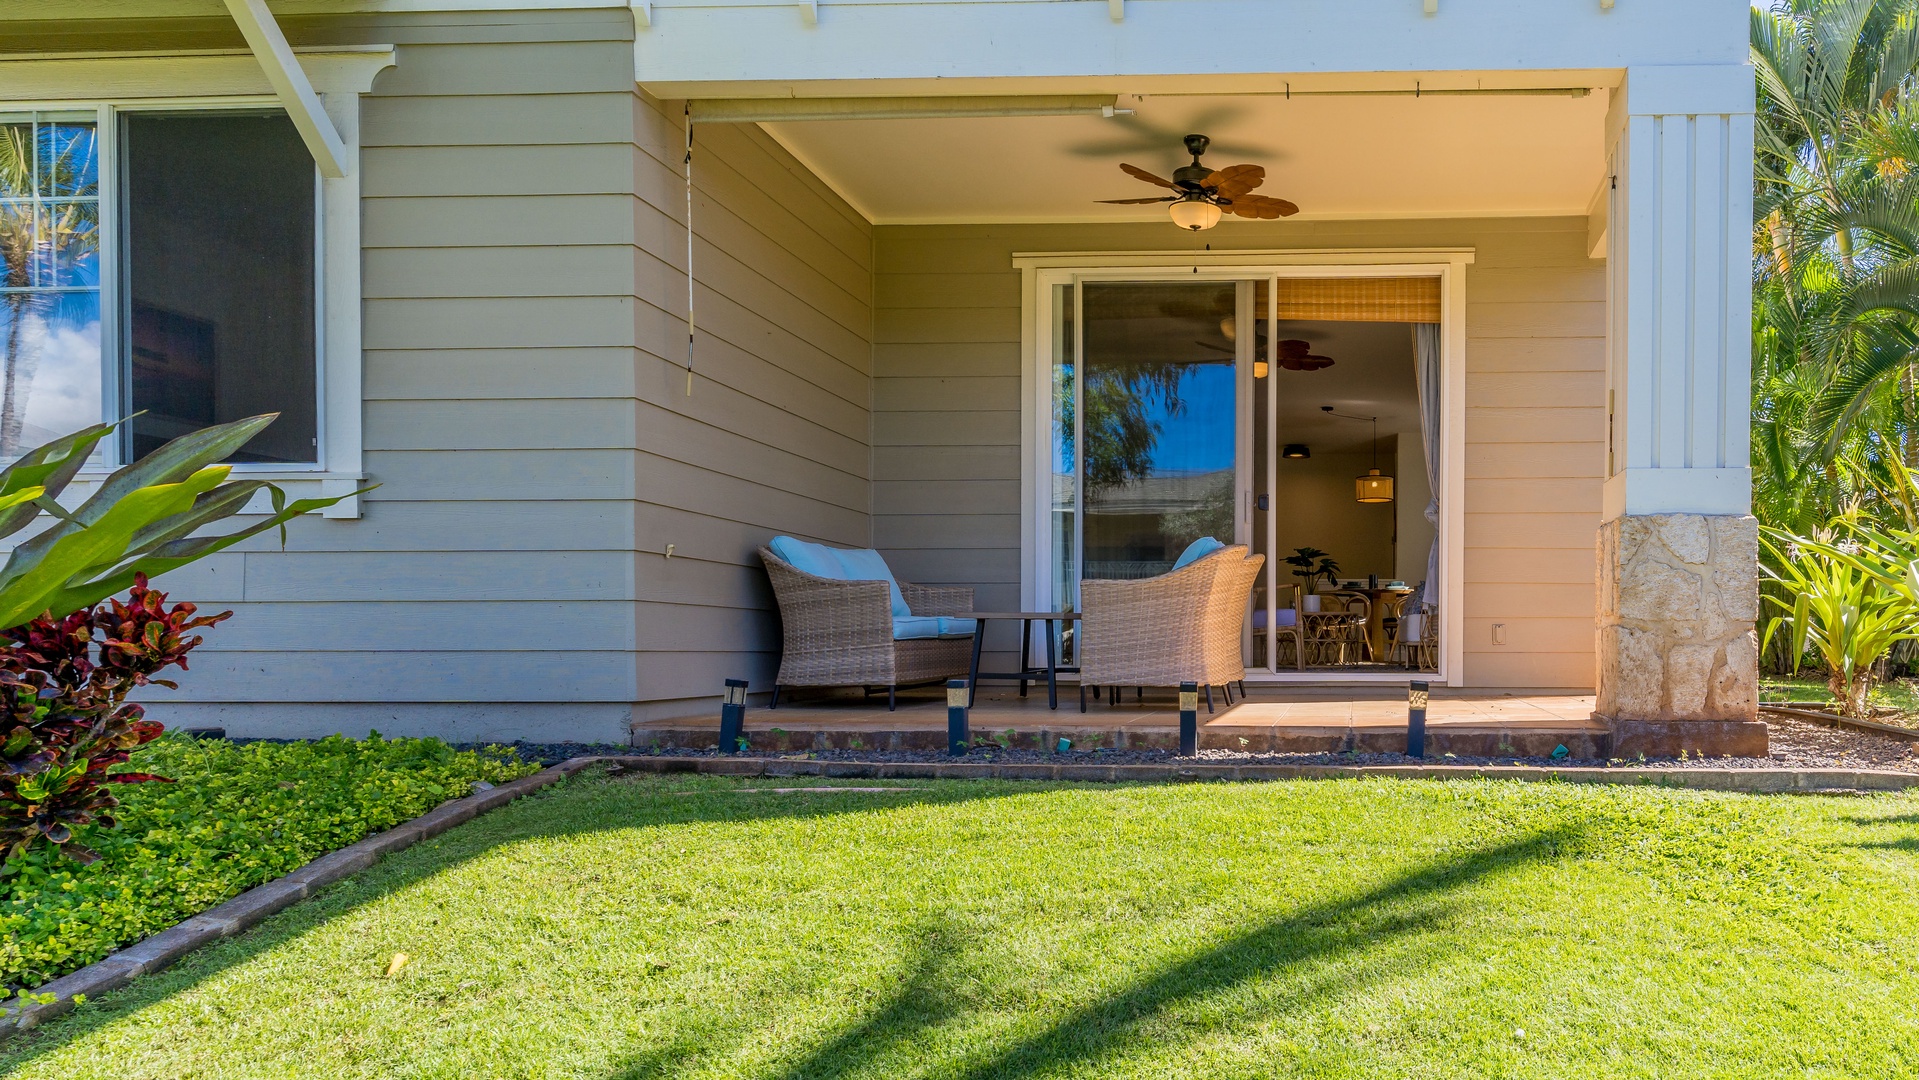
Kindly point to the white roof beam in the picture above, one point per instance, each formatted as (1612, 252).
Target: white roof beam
(290, 84)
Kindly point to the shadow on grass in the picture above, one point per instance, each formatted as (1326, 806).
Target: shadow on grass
(1418, 900)
(549, 814)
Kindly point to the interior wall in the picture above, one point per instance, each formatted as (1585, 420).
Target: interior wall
(947, 370)
(1316, 508)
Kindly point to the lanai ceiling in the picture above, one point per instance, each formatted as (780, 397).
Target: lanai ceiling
(1336, 156)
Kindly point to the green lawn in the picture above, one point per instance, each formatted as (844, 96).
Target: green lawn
(626, 928)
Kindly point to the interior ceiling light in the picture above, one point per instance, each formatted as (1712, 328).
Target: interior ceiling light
(1296, 450)
(1374, 486)
(1200, 195)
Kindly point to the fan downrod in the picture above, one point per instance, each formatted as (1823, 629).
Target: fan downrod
(1191, 176)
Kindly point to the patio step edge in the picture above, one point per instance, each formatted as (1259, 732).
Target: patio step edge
(163, 948)
(1748, 781)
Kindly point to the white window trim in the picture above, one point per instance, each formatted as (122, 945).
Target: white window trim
(1040, 271)
(216, 80)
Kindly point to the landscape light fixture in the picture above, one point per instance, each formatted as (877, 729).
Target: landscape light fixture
(1374, 487)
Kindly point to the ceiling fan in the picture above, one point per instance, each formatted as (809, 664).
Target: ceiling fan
(1200, 195)
(1294, 355)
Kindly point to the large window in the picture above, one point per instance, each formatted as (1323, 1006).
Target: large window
(167, 272)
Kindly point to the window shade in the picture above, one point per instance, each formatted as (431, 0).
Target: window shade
(1403, 299)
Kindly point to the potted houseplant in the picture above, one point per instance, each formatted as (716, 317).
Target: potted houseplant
(1313, 564)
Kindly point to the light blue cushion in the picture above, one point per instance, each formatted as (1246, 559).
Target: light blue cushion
(912, 627)
(1286, 618)
(840, 564)
(865, 564)
(1196, 551)
(815, 559)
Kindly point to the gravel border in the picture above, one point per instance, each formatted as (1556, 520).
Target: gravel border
(256, 904)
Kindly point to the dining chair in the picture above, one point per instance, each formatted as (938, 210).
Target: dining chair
(1338, 629)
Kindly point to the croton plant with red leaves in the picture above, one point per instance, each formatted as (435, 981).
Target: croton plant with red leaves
(65, 721)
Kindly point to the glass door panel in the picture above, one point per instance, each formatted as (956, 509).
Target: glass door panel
(1156, 423)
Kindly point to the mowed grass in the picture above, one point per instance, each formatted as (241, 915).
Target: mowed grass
(689, 927)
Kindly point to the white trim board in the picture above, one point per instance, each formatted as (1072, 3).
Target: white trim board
(1041, 271)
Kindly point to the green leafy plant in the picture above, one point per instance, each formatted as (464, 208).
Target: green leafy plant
(66, 668)
(1313, 566)
(238, 815)
(1833, 606)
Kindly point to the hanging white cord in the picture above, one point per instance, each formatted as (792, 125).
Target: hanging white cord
(689, 249)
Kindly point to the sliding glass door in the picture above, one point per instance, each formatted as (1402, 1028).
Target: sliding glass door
(1145, 422)
(1291, 412)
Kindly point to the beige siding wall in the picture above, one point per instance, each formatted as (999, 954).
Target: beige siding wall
(947, 413)
(527, 417)
(776, 437)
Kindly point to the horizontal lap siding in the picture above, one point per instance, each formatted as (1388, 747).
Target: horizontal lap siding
(777, 435)
(502, 315)
(947, 413)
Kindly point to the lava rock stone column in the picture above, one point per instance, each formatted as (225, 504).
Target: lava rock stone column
(1678, 656)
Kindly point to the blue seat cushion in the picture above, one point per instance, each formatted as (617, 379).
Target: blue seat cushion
(1196, 551)
(840, 564)
(865, 564)
(1286, 618)
(914, 627)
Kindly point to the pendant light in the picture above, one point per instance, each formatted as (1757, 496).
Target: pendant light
(1374, 486)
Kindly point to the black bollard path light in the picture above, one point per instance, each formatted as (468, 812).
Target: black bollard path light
(957, 734)
(1416, 697)
(732, 716)
(1188, 719)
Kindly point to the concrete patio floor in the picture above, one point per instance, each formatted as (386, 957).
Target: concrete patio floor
(1274, 720)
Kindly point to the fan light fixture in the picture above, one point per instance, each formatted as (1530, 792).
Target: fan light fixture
(1200, 195)
(1374, 487)
(1195, 214)
(1296, 450)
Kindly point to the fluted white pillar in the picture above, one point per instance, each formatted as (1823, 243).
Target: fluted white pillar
(1678, 547)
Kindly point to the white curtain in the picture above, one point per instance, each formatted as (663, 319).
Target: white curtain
(1426, 365)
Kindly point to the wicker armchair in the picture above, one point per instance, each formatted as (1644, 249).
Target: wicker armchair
(840, 633)
(1183, 626)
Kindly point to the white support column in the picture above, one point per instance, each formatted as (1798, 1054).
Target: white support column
(1678, 245)
(1677, 585)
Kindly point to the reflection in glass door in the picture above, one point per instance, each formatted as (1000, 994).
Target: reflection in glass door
(1145, 420)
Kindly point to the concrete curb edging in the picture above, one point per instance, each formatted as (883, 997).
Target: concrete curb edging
(243, 911)
(1751, 781)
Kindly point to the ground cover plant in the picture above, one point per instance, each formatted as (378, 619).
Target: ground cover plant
(235, 816)
(711, 927)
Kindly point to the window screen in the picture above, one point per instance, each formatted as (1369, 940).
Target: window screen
(219, 242)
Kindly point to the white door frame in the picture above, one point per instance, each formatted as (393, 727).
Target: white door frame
(1041, 271)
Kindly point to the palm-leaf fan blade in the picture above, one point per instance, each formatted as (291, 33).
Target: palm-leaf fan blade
(1235, 180)
(1263, 207)
(1136, 202)
(1138, 173)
